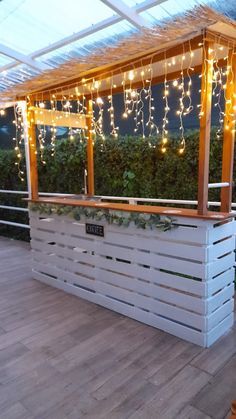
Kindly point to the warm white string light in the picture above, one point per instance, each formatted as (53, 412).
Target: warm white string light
(217, 93)
(188, 94)
(180, 111)
(139, 102)
(114, 129)
(153, 128)
(165, 122)
(139, 107)
(19, 139)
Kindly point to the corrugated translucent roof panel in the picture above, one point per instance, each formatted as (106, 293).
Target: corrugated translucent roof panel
(132, 3)
(102, 39)
(52, 32)
(30, 25)
(171, 8)
(5, 60)
(17, 75)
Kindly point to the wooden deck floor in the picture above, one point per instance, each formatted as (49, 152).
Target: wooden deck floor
(62, 357)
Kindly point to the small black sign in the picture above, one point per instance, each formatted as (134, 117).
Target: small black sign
(94, 229)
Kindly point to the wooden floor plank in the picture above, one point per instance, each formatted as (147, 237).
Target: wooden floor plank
(174, 395)
(17, 411)
(190, 412)
(62, 357)
(213, 359)
(215, 399)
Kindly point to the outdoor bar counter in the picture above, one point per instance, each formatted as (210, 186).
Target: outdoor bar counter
(177, 277)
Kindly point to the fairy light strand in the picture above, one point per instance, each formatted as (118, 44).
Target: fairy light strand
(18, 139)
(165, 122)
(153, 128)
(114, 129)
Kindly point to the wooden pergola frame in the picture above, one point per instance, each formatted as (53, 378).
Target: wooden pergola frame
(206, 42)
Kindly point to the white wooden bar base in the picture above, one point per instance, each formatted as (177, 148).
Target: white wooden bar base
(180, 281)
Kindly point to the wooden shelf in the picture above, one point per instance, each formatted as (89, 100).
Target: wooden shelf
(147, 209)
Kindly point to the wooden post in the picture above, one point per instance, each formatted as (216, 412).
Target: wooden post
(205, 127)
(32, 155)
(90, 160)
(229, 133)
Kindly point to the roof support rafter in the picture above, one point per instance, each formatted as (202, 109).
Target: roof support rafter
(22, 58)
(145, 5)
(127, 13)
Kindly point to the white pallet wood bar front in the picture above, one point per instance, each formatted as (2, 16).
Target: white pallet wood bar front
(180, 281)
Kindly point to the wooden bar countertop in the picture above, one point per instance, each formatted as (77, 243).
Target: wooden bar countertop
(147, 209)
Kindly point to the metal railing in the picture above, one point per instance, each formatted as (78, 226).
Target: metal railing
(129, 200)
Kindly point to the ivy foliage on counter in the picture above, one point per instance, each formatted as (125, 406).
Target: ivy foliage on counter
(120, 218)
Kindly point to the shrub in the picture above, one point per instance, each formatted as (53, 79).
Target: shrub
(127, 166)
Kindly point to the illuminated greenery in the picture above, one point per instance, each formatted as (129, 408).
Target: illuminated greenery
(119, 218)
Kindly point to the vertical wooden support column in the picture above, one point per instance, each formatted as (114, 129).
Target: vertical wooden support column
(23, 106)
(32, 154)
(90, 160)
(205, 127)
(229, 133)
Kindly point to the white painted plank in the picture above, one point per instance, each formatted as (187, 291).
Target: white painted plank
(219, 315)
(220, 329)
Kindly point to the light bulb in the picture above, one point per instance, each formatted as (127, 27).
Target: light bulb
(99, 101)
(131, 75)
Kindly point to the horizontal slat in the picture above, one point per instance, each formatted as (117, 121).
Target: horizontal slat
(151, 319)
(220, 265)
(215, 318)
(148, 275)
(221, 248)
(220, 298)
(222, 231)
(168, 295)
(11, 223)
(220, 329)
(177, 329)
(8, 207)
(220, 282)
(152, 305)
(188, 234)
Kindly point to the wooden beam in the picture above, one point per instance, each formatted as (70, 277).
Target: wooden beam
(121, 66)
(220, 39)
(205, 127)
(32, 154)
(119, 89)
(90, 159)
(135, 85)
(229, 132)
(58, 118)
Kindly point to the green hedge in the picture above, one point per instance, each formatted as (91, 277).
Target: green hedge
(128, 166)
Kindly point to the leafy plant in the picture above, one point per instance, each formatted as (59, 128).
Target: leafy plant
(128, 179)
(120, 218)
(130, 166)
